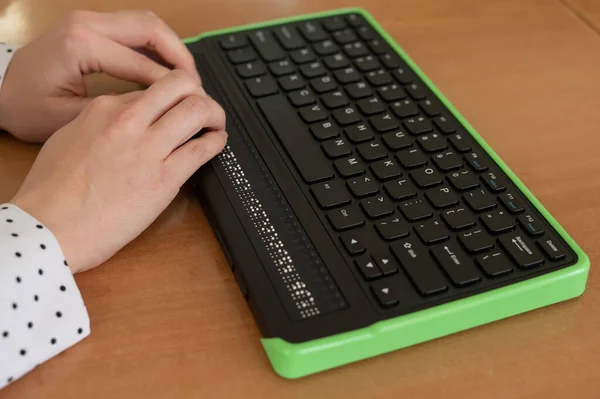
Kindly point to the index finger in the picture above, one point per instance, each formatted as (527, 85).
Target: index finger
(140, 29)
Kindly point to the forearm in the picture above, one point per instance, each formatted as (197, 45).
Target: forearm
(41, 310)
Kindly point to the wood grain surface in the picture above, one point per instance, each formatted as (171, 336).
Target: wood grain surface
(167, 318)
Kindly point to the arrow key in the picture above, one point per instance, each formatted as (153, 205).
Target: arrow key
(385, 294)
(367, 267)
(352, 243)
(386, 263)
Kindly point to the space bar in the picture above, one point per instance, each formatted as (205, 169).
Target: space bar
(295, 138)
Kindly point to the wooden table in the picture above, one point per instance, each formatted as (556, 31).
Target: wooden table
(167, 318)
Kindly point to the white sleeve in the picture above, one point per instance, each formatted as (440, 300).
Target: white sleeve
(41, 310)
(6, 53)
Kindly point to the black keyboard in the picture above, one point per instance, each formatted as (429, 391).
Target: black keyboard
(419, 210)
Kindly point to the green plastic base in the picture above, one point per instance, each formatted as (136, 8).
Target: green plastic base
(298, 360)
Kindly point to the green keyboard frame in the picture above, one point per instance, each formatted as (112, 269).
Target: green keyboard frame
(292, 360)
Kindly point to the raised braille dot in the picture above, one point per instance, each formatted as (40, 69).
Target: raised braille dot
(39, 226)
(23, 352)
(40, 272)
(63, 288)
(18, 254)
(80, 330)
(42, 246)
(53, 341)
(30, 325)
(58, 314)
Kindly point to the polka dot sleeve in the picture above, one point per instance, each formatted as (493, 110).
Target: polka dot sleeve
(41, 310)
(6, 53)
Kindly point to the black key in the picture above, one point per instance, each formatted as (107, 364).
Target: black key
(386, 169)
(416, 210)
(418, 125)
(476, 240)
(431, 231)
(283, 67)
(347, 75)
(426, 177)
(404, 108)
(312, 70)
(354, 20)
(365, 33)
(400, 189)
(260, 87)
(335, 100)
(522, 250)
(376, 207)
(404, 75)
(416, 91)
(430, 108)
(384, 122)
(463, 180)
(445, 125)
(379, 78)
(362, 186)
(354, 50)
(312, 114)
(292, 134)
(441, 197)
(392, 228)
(458, 219)
(387, 264)
(480, 200)
(385, 294)
(350, 167)
(325, 47)
(372, 151)
(359, 133)
(366, 64)
(346, 116)
(412, 158)
(511, 203)
(359, 90)
(498, 221)
(302, 56)
(448, 160)
(344, 36)
(552, 248)
(352, 243)
(330, 194)
(475, 162)
(391, 61)
(377, 46)
(337, 148)
(336, 61)
(460, 142)
(251, 69)
(266, 46)
(397, 140)
(392, 93)
(432, 142)
(456, 263)
(495, 183)
(291, 82)
(367, 267)
(312, 31)
(531, 225)
(418, 264)
(494, 264)
(323, 84)
(288, 37)
(233, 41)
(370, 106)
(334, 23)
(345, 218)
(324, 130)
(302, 97)
(241, 55)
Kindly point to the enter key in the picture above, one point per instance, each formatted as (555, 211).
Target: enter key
(457, 265)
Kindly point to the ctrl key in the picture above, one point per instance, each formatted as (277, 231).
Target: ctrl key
(385, 294)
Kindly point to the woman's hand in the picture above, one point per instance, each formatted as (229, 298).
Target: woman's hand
(44, 87)
(102, 179)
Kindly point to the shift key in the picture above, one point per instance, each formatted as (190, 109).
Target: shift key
(292, 133)
(419, 265)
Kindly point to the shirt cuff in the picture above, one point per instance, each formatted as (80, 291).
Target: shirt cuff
(41, 309)
(6, 53)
